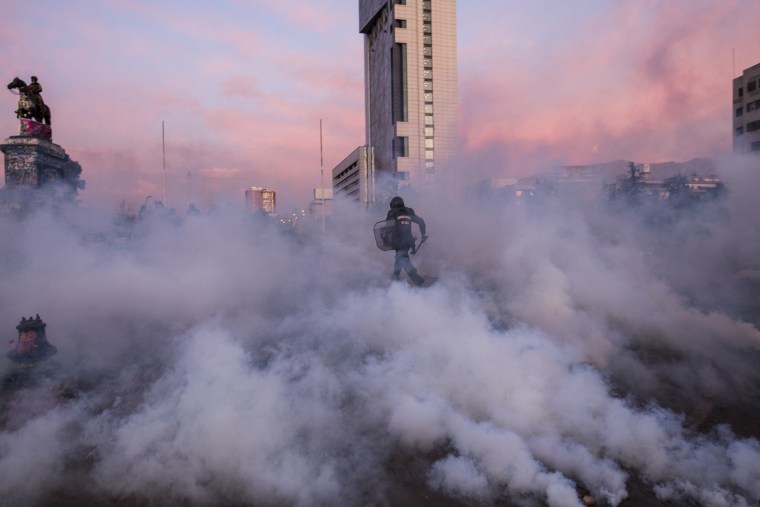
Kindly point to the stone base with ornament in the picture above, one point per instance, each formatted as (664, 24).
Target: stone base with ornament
(37, 171)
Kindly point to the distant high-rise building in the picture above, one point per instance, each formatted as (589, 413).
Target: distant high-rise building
(746, 111)
(258, 198)
(410, 62)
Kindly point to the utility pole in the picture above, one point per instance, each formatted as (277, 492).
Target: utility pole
(322, 177)
(163, 151)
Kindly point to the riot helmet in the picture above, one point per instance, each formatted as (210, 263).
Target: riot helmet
(397, 202)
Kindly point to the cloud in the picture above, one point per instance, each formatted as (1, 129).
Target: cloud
(638, 81)
(202, 72)
(242, 86)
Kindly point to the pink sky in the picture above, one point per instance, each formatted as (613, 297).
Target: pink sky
(242, 86)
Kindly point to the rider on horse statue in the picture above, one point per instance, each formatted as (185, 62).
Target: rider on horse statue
(32, 111)
(34, 88)
(30, 103)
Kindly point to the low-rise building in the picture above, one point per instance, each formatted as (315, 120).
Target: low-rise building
(353, 178)
(321, 205)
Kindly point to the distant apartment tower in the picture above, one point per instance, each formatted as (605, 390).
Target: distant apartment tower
(258, 198)
(353, 179)
(410, 63)
(746, 111)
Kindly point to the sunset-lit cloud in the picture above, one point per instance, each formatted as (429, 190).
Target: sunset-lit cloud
(244, 85)
(648, 81)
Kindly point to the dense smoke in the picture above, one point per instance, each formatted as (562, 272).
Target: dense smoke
(566, 349)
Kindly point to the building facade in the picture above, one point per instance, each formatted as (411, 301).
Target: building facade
(746, 111)
(354, 179)
(321, 203)
(410, 63)
(259, 198)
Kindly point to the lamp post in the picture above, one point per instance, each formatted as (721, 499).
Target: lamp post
(322, 177)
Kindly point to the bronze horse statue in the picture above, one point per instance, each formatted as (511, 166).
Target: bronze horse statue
(29, 105)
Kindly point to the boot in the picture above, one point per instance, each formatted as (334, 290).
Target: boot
(417, 279)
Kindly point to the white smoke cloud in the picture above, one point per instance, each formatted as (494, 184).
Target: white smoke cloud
(221, 360)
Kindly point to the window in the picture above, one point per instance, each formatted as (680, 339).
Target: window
(399, 97)
(752, 86)
(427, 51)
(752, 126)
(754, 146)
(427, 40)
(741, 91)
(401, 148)
(428, 131)
(400, 23)
(427, 28)
(426, 6)
(428, 97)
(739, 131)
(429, 144)
(400, 2)
(738, 112)
(428, 85)
(401, 175)
(428, 108)
(751, 107)
(427, 74)
(429, 120)
(426, 16)
(427, 63)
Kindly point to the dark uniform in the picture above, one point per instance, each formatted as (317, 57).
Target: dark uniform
(404, 217)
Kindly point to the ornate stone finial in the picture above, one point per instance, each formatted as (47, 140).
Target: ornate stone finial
(32, 345)
(31, 323)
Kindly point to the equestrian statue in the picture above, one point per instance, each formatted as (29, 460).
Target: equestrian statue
(30, 103)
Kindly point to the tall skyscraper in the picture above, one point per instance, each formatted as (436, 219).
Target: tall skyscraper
(746, 111)
(410, 62)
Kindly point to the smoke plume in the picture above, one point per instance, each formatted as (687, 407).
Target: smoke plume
(566, 349)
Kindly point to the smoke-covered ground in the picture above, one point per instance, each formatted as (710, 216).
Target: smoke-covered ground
(567, 349)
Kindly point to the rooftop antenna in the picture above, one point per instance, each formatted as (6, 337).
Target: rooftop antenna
(163, 152)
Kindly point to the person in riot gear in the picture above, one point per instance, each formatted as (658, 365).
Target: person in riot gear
(403, 218)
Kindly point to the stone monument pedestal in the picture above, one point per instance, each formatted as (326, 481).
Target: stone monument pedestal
(37, 169)
(34, 128)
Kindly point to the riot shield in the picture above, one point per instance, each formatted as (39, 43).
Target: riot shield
(385, 235)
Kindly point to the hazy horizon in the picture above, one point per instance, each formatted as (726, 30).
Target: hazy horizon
(242, 86)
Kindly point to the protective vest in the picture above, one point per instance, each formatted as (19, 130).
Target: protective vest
(403, 237)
